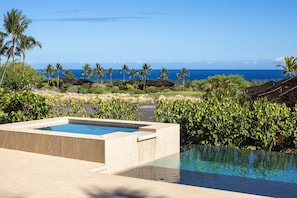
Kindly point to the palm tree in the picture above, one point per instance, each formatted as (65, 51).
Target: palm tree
(59, 68)
(164, 74)
(290, 66)
(179, 77)
(110, 72)
(3, 46)
(27, 43)
(124, 70)
(15, 23)
(146, 70)
(50, 71)
(183, 73)
(99, 72)
(87, 71)
(68, 74)
(133, 74)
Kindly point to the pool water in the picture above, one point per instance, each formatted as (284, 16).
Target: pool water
(87, 129)
(255, 172)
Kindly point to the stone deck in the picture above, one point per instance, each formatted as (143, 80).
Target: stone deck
(30, 175)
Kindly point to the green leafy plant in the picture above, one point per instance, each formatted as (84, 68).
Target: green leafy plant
(259, 124)
(23, 106)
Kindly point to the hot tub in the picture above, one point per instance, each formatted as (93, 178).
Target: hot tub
(118, 150)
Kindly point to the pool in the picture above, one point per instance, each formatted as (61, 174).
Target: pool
(87, 129)
(256, 172)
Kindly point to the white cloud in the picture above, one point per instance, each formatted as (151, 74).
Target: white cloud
(279, 59)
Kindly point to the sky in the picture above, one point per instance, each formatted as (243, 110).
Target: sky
(195, 34)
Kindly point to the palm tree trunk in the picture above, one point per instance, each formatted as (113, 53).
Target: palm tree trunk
(13, 63)
(49, 78)
(144, 82)
(24, 64)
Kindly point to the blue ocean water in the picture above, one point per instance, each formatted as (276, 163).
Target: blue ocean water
(259, 75)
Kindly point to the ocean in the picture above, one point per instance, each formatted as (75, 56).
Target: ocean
(257, 75)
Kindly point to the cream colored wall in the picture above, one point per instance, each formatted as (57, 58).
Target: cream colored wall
(71, 147)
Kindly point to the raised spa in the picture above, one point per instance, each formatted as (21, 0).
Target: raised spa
(114, 144)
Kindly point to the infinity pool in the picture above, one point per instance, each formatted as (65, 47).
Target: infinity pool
(256, 172)
(87, 129)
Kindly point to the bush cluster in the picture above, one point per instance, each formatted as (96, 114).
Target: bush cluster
(25, 105)
(22, 106)
(258, 125)
(95, 107)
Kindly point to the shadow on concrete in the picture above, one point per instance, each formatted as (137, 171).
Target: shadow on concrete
(119, 192)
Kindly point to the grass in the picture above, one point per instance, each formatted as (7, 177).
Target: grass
(181, 93)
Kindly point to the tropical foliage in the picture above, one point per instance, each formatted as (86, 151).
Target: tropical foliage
(22, 106)
(164, 73)
(3, 46)
(290, 66)
(14, 80)
(259, 124)
(110, 72)
(15, 23)
(99, 72)
(146, 70)
(26, 43)
(222, 87)
(96, 107)
(124, 70)
(50, 70)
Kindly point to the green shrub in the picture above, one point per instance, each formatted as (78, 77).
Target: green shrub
(221, 87)
(15, 80)
(85, 88)
(23, 106)
(95, 107)
(259, 124)
(64, 87)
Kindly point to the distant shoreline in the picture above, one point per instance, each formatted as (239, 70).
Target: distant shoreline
(198, 74)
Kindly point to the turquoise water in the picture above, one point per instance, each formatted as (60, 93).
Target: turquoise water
(254, 172)
(262, 165)
(88, 129)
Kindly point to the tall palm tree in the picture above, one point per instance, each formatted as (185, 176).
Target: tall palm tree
(3, 46)
(15, 23)
(179, 77)
(124, 70)
(164, 74)
(290, 66)
(110, 72)
(133, 74)
(87, 71)
(183, 73)
(99, 72)
(59, 68)
(146, 70)
(27, 43)
(68, 74)
(49, 71)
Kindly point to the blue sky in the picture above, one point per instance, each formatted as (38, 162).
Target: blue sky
(196, 34)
